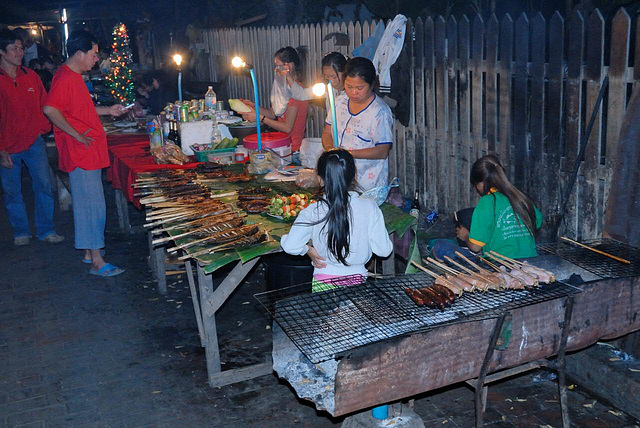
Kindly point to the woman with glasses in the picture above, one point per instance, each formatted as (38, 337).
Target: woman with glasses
(287, 114)
(364, 124)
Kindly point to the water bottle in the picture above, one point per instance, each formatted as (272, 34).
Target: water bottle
(210, 100)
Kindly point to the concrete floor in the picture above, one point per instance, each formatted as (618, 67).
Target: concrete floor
(78, 350)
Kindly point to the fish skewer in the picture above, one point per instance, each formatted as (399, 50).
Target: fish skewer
(489, 282)
(458, 278)
(620, 259)
(443, 281)
(529, 279)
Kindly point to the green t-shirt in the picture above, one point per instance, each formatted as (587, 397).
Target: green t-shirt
(494, 227)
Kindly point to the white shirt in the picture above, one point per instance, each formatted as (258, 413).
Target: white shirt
(30, 53)
(368, 235)
(372, 127)
(305, 94)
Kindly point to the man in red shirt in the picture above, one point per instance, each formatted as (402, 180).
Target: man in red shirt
(82, 147)
(21, 124)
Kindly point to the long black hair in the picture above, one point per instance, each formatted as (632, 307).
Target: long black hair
(338, 170)
(489, 171)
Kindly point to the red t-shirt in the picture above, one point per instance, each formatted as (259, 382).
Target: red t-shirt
(70, 96)
(21, 117)
(300, 124)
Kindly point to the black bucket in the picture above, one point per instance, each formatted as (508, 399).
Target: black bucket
(284, 270)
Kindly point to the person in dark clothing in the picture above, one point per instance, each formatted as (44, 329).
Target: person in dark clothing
(159, 93)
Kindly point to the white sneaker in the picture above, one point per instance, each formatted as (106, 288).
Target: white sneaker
(54, 239)
(21, 241)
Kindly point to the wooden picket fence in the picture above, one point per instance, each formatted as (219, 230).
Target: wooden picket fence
(524, 90)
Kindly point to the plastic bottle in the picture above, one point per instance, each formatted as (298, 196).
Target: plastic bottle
(210, 100)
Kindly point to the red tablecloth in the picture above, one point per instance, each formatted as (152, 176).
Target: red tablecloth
(129, 155)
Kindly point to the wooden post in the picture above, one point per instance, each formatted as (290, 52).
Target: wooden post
(196, 302)
(212, 351)
(122, 208)
(506, 125)
(521, 103)
(160, 269)
(464, 96)
(537, 179)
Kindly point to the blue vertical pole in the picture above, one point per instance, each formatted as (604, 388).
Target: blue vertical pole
(380, 412)
(256, 100)
(179, 85)
(332, 105)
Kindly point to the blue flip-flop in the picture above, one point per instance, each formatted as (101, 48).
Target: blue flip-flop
(89, 261)
(107, 270)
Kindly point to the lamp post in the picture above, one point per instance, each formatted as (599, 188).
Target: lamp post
(238, 62)
(177, 58)
(319, 90)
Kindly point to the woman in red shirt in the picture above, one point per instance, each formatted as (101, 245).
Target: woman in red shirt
(293, 121)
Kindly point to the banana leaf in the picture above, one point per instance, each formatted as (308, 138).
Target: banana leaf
(396, 220)
(218, 260)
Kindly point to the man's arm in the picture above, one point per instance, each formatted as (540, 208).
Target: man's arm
(114, 110)
(60, 121)
(327, 139)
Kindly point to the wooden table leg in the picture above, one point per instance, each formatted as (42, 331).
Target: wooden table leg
(389, 264)
(152, 256)
(122, 208)
(195, 300)
(212, 351)
(210, 303)
(160, 269)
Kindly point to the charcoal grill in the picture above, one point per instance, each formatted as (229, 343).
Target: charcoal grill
(603, 266)
(326, 324)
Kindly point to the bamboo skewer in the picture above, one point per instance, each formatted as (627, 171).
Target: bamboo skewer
(433, 274)
(517, 262)
(443, 266)
(499, 260)
(595, 250)
(480, 275)
(462, 256)
(491, 264)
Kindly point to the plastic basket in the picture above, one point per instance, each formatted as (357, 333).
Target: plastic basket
(203, 155)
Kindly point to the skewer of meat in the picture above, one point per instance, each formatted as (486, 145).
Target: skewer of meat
(484, 281)
(438, 299)
(440, 279)
(493, 278)
(190, 216)
(200, 222)
(528, 279)
(208, 229)
(454, 276)
(413, 295)
(259, 236)
(544, 276)
(220, 237)
(511, 281)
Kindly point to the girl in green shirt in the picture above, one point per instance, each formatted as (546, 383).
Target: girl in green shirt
(505, 219)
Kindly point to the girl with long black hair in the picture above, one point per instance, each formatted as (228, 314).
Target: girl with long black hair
(345, 229)
(505, 219)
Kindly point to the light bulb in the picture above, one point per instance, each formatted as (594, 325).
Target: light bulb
(177, 58)
(319, 89)
(238, 62)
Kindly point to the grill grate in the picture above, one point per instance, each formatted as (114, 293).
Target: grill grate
(598, 264)
(325, 324)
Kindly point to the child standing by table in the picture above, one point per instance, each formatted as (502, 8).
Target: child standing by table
(345, 229)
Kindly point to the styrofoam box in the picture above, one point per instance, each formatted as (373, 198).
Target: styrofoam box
(198, 132)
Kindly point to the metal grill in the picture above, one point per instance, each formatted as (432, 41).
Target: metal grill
(325, 324)
(599, 264)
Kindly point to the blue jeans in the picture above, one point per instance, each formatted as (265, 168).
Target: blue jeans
(35, 158)
(89, 208)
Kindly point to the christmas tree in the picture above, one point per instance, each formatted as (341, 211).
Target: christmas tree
(119, 79)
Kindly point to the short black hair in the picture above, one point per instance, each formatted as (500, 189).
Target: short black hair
(80, 41)
(361, 67)
(149, 76)
(8, 37)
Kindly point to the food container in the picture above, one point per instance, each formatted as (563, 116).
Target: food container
(240, 131)
(241, 154)
(278, 143)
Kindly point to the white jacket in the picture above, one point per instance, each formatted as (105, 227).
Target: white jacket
(389, 50)
(368, 235)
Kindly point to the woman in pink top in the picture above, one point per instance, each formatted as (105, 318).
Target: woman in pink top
(293, 120)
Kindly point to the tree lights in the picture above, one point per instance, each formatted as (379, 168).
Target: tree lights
(120, 79)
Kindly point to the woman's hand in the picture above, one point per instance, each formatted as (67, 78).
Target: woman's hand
(317, 261)
(249, 103)
(5, 159)
(249, 117)
(462, 233)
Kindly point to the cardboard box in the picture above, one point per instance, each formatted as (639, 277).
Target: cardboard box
(198, 132)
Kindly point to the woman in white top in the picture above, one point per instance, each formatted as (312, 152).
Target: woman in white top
(365, 124)
(344, 228)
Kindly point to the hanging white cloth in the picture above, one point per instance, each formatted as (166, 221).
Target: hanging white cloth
(389, 50)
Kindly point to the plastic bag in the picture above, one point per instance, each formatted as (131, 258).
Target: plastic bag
(379, 194)
(280, 95)
(307, 178)
(310, 151)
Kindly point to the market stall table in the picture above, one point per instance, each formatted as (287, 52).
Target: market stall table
(207, 299)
